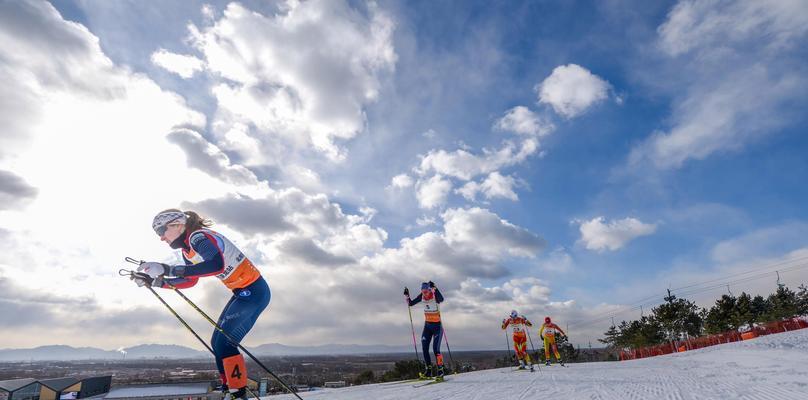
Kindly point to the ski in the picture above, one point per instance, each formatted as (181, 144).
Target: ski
(429, 383)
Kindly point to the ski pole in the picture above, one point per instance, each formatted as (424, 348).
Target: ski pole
(222, 331)
(124, 272)
(535, 353)
(508, 346)
(443, 331)
(412, 328)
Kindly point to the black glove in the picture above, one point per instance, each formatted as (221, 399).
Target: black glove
(431, 284)
(541, 337)
(406, 292)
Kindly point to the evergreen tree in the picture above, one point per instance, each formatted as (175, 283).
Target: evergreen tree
(784, 304)
(760, 308)
(611, 338)
(721, 317)
(743, 311)
(802, 300)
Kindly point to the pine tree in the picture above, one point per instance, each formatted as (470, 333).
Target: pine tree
(611, 338)
(802, 300)
(760, 308)
(720, 317)
(784, 304)
(743, 311)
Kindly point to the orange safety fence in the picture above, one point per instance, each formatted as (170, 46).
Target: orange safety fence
(712, 340)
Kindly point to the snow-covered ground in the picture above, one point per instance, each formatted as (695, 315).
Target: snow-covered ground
(770, 367)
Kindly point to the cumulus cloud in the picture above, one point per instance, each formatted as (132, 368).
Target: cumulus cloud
(599, 234)
(14, 191)
(571, 90)
(464, 165)
(314, 98)
(486, 232)
(522, 121)
(182, 65)
(495, 185)
(743, 77)
(208, 158)
(433, 192)
(401, 181)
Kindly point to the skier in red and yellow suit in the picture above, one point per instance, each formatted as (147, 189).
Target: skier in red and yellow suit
(519, 324)
(548, 333)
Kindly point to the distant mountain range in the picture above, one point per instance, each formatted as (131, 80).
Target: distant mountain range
(152, 351)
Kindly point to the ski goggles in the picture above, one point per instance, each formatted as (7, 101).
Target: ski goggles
(163, 221)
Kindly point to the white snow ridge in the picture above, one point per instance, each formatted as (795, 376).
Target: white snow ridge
(767, 368)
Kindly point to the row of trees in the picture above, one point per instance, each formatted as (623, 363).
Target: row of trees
(678, 319)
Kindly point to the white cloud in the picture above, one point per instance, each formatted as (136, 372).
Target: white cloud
(480, 230)
(314, 98)
(598, 234)
(495, 185)
(182, 65)
(208, 158)
(464, 165)
(706, 24)
(572, 89)
(426, 221)
(522, 121)
(433, 192)
(744, 80)
(401, 181)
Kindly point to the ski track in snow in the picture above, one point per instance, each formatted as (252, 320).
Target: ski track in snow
(773, 367)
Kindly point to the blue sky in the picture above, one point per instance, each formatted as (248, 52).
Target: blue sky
(668, 147)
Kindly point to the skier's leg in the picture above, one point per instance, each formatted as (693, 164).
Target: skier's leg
(438, 336)
(217, 339)
(546, 349)
(236, 321)
(426, 337)
(555, 350)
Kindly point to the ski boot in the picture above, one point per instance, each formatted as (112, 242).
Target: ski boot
(561, 362)
(427, 374)
(439, 374)
(238, 394)
(521, 364)
(547, 363)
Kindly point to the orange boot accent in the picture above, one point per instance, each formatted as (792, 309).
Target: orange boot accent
(236, 371)
(439, 359)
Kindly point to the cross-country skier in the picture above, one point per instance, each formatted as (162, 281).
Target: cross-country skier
(548, 333)
(208, 253)
(433, 330)
(519, 324)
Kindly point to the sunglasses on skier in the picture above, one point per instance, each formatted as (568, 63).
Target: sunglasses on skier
(161, 230)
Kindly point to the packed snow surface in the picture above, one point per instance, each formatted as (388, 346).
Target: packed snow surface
(769, 367)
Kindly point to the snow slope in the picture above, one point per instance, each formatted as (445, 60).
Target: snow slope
(770, 367)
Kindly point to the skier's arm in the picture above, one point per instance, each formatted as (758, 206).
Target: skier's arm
(541, 331)
(206, 248)
(438, 296)
(527, 322)
(415, 300)
(562, 332)
(181, 283)
(505, 323)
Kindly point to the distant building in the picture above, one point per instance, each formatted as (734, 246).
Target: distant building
(187, 391)
(89, 387)
(258, 385)
(59, 388)
(336, 384)
(20, 389)
(54, 389)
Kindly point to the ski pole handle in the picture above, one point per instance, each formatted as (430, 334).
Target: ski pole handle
(133, 261)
